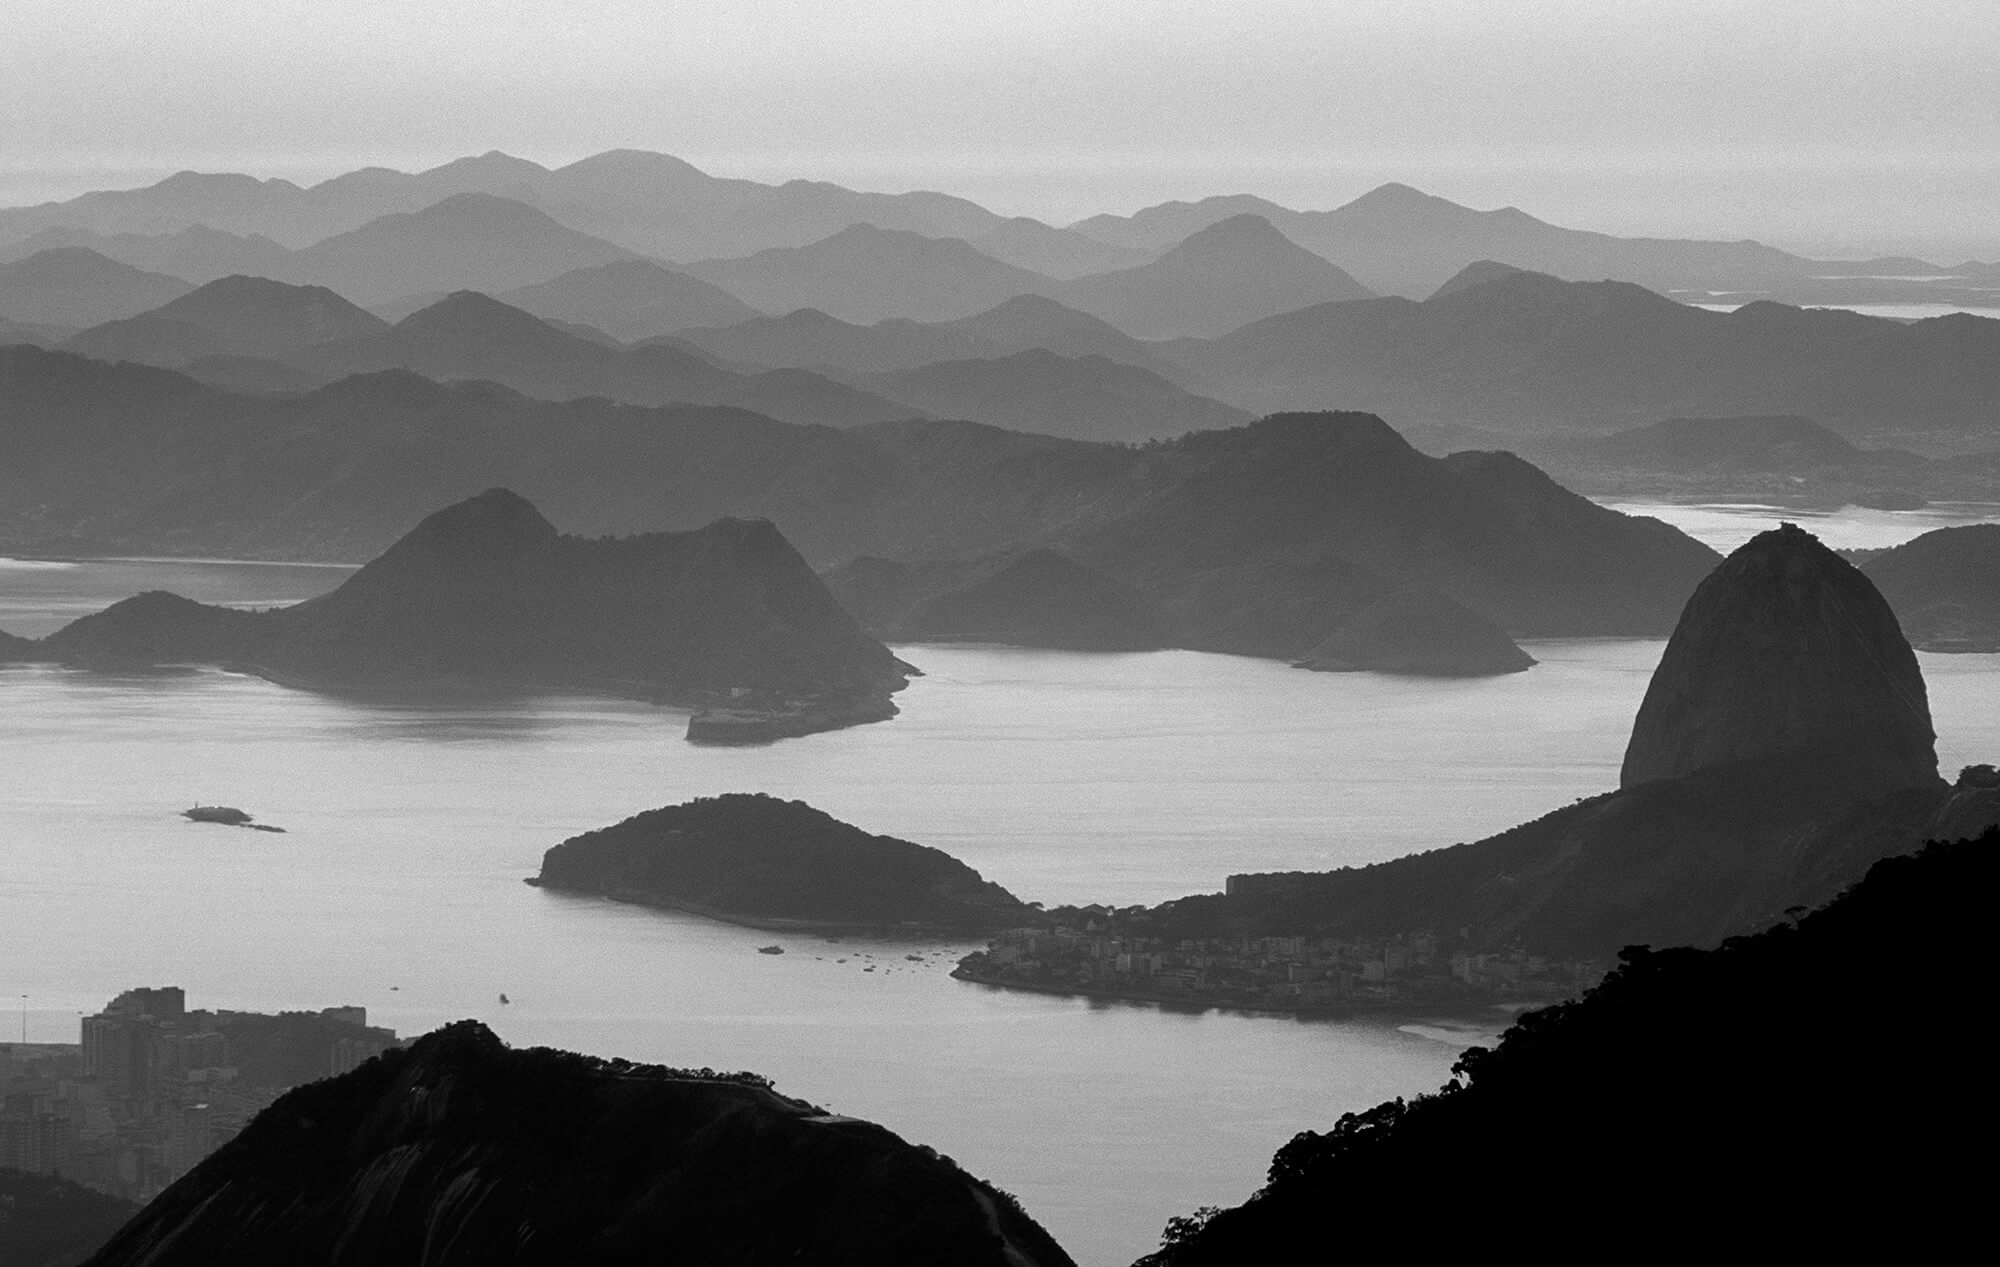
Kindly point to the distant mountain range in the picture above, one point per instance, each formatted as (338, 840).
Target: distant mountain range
(1393, 240)
(251, 332)
(1258, 539)
(1521, 351)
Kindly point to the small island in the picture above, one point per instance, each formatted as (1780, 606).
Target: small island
(226, 816)
(768, 863)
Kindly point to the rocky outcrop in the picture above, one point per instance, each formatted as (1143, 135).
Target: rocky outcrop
(759, 860)
(1041, 599)
(1788, 653)
(1944, 587)
(1421, 632)
(459, 1151)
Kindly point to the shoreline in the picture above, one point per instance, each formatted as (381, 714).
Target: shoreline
(768, 923)
(1313, 1011)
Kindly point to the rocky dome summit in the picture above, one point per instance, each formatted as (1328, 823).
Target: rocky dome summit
(1787, 653)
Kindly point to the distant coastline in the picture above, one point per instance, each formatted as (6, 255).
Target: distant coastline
(1451, 1005)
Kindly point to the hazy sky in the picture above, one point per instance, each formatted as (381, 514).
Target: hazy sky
(1797, 120)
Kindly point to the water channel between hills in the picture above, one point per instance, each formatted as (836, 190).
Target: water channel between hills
(1065, 777)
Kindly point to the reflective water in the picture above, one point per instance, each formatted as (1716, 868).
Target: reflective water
(39, 596)
(1726, 525)
(1065, 777)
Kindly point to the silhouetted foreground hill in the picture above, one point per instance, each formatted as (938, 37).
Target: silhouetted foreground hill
(759, 860)
(50, 1222)
(1798, 1092)
(1945, 587)
(458, 1151)
(485, 594)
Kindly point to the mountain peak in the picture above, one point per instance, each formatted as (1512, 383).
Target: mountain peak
(1787, 652)
(1477, 273)
(1246, 229)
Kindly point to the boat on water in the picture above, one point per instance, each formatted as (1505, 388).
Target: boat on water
(770, 950)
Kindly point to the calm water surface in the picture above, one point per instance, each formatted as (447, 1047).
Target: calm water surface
(1725, 525)
(1065, 777)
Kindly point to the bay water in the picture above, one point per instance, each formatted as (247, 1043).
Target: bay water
(1065, 777)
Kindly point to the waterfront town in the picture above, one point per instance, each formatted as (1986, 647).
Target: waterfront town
(152, 1087)
(1138, 953)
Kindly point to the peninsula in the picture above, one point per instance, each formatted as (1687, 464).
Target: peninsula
(757, 860)
(1784, 746)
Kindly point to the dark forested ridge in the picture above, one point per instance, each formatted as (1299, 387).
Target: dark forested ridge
(46, 1221)
(1694, 1098)
(543, 1157)
(757, 859)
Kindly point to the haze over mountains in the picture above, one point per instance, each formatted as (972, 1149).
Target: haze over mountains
(1393, 240)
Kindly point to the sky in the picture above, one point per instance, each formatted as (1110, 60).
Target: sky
(1818, 123)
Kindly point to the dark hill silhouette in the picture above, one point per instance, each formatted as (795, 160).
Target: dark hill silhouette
(1693, 1081)
(1785, 443)
(631, 300)
(652, 203)
(1477, 273)
(1258, 540)
(1059, 253)
(866, 274)
(233, 316)
(1418, 631)
(468, 335)
(73, 287)
(1227, 275)
(542, 1157)
(1036, 321)
(1402, 241)
(469, 241)
(34, 334)
(1039, 599)
(1487, 530)
(1528, 352)
(1787, 651)
(1083, 398)
(759, 860)
(1944, 587)
(54, 1222)
(485, 594)
(809, 337)
(196, 254)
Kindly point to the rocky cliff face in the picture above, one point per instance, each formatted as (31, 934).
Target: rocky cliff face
(459, 1152)
(1787, 653)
